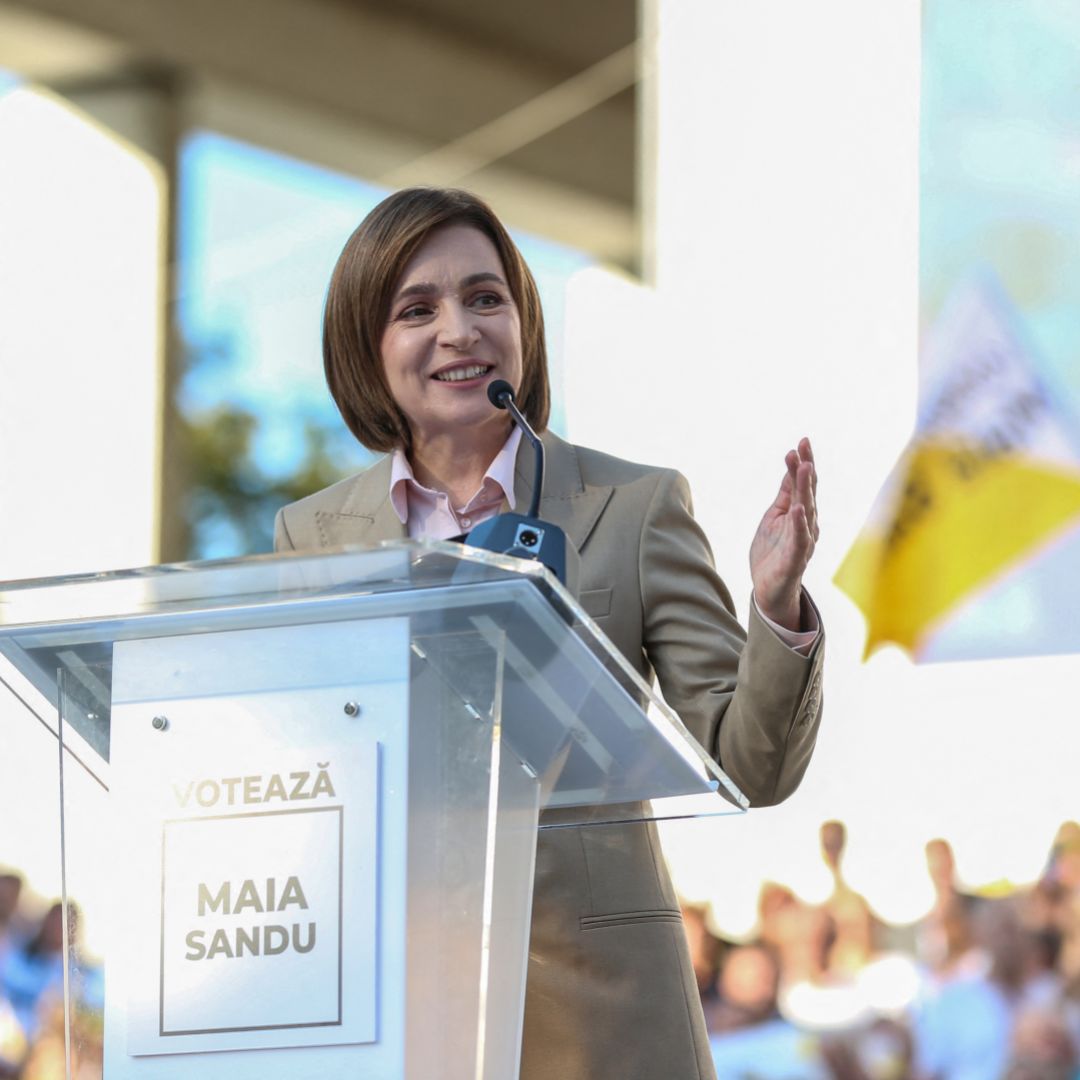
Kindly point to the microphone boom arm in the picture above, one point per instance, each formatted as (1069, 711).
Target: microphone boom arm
(501, 395)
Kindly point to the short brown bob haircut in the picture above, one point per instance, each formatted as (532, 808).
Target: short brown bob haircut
(358, 307)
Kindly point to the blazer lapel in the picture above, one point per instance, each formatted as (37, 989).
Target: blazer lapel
(567, 501)
(367, 515)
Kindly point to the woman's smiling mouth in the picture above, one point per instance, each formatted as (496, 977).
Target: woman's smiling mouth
(462, 374)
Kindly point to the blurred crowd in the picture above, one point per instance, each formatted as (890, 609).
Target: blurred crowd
(32, 1042)
(981, 988)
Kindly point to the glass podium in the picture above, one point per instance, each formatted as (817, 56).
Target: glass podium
(300, 801)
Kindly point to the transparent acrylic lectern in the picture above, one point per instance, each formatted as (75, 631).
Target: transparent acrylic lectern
(300, 800)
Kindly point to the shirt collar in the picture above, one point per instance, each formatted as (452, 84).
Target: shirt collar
(500, 471)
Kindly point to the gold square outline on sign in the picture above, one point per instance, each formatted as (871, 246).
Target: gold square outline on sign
(340, 811)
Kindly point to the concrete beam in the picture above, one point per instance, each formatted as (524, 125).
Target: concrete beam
(403, 87)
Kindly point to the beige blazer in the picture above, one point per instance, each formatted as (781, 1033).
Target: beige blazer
(611, 992)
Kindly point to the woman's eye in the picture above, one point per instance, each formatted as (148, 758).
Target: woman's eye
(487, 299)
(416, 311)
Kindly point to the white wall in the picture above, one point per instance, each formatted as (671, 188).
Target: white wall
(80, 342)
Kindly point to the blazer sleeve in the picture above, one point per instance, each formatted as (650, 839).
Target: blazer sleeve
(749, 699)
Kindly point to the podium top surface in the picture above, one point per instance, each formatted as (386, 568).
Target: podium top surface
(71, 624)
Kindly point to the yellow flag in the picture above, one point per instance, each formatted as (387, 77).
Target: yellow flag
(990, 476)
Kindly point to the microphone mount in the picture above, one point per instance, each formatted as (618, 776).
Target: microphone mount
(501, 394)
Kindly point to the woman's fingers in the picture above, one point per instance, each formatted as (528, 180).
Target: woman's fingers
(807, 491)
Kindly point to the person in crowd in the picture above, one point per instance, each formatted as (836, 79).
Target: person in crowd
(748, 1036)
(704, 949)
(1052, 910)
(852, 918)
(13, 1042)
(747, 987)
(11, 925)
(778, 907)
(942, 936)
(946, 946)
(802, 936)
(33, 972)
(1042, 1048)
(804, 951)
(429, 303)
(47, 1059)
(964, 1029)
(883, 1050)
(1054, 903)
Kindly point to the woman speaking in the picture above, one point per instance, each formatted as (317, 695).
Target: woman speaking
(430, 302)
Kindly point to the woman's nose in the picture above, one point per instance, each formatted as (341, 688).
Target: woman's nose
(457, 327)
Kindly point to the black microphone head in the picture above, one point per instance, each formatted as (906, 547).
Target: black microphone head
(498, 391)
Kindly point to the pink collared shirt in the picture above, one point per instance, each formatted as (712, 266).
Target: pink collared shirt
(428, 513)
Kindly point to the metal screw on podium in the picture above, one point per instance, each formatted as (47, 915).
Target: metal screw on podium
(351, 708)
(160, 723)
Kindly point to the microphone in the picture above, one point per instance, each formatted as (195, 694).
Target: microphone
(526, 536)
(501, 394)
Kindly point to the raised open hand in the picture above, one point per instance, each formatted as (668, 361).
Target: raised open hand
(785, 539)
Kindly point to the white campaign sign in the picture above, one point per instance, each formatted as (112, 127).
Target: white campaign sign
(248, 887)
